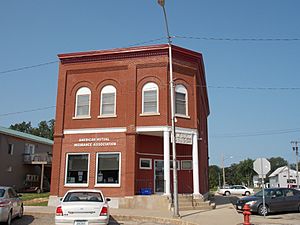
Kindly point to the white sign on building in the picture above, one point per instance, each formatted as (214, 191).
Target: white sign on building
(183, 138)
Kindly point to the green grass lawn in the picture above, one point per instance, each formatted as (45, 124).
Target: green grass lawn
(31, 196)
(36, 203)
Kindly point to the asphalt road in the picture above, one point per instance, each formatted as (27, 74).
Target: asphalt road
(48, 219)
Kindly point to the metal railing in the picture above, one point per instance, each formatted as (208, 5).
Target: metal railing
(37, 158)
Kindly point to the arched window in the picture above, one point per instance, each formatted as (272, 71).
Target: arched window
(83, 102)
(108, 101)
(181, 100)
(150, 98)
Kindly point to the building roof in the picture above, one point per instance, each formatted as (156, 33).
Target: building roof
(18, 134)
(280, 170)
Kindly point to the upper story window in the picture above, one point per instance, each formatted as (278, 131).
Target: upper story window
(29, 149)
(108, 101)
(150, 98)
(181, 100)
(10, 149)
(83, 100)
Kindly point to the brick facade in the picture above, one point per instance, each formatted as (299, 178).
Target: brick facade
(128, 70)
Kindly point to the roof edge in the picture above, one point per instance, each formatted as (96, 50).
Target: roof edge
(22, 135)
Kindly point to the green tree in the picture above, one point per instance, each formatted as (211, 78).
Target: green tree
(246, 172)
(277, 162)
(45, 129)
(214, 176)
(23, 127)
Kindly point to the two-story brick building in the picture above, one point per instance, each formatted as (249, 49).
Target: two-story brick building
(113, 122)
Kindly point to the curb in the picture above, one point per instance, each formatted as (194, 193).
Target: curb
(160, 220)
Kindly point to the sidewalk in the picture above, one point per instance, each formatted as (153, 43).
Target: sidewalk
(223, 215)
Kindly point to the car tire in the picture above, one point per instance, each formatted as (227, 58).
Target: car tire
(9, 218)
(227, 193)
(247, 193)
(263, 210)
(21, 212)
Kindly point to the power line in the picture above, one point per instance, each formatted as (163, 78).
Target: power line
(27, 67)
(260, 133)
(239, 39)
(26, 111)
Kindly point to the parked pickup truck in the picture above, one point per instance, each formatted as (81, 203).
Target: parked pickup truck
(235, 190)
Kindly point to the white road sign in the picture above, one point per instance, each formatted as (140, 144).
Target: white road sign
(261, 166)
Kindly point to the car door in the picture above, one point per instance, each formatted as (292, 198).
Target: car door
(291, 200)
(277, 201)
(14, 201)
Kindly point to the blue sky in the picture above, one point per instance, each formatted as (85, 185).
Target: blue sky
(247, 120)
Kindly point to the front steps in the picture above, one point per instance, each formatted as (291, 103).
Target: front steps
(186, 202)
(164, 203)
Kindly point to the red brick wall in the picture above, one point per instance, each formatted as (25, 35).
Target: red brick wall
(128, 70)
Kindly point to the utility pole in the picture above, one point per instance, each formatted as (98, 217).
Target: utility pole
(173, 133)
(295, 148)
(223, 168)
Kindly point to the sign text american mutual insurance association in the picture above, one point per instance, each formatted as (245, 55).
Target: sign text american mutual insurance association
(94, 142)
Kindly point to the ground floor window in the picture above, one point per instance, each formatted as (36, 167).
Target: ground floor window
(186, 164)
(108, 169)
(77, 168)
(145, 164)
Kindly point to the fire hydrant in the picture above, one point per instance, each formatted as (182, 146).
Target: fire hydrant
(247, 214)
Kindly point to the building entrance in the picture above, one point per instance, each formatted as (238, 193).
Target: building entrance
(159, 176)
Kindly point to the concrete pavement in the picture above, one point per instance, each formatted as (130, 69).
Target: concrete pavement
(224, 214)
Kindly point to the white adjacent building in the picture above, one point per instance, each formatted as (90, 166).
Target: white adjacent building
(283, 177)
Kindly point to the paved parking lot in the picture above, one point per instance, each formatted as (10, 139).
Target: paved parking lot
(48, 219)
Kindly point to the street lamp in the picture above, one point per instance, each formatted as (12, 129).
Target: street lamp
(173, 134)
(223, 168)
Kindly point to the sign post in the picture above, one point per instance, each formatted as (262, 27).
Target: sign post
(262, 166)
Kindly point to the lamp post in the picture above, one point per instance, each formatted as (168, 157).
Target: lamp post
(173, 134)
(223, 167)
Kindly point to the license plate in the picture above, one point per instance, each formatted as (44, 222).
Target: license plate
(80, 222)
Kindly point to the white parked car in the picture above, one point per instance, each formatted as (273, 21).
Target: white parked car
(11, 205)
(235, 190)
(82, 207)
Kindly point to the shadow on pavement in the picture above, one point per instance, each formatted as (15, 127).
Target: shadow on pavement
(223, 200)
(112, 221)
(25, 220)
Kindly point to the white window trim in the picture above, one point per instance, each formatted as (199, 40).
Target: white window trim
(154, 87)
(182, 161)
(182, 89)
(66, 170)
(177, 163)
(96, 172)
(145, 168)
(12, 148)
(110, 89)
(84, 92)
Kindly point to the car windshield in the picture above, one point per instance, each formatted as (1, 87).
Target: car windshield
(2, 191)
(270, 193)
(83, 197)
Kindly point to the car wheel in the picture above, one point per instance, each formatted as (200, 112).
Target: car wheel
(227, 193)
(247, 193)
(8, 222)
(263, 210)
(21, 212)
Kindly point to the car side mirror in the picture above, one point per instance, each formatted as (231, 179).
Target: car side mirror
(60, 199)
(108, 199)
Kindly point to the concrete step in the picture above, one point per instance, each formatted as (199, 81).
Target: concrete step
(197, 206)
